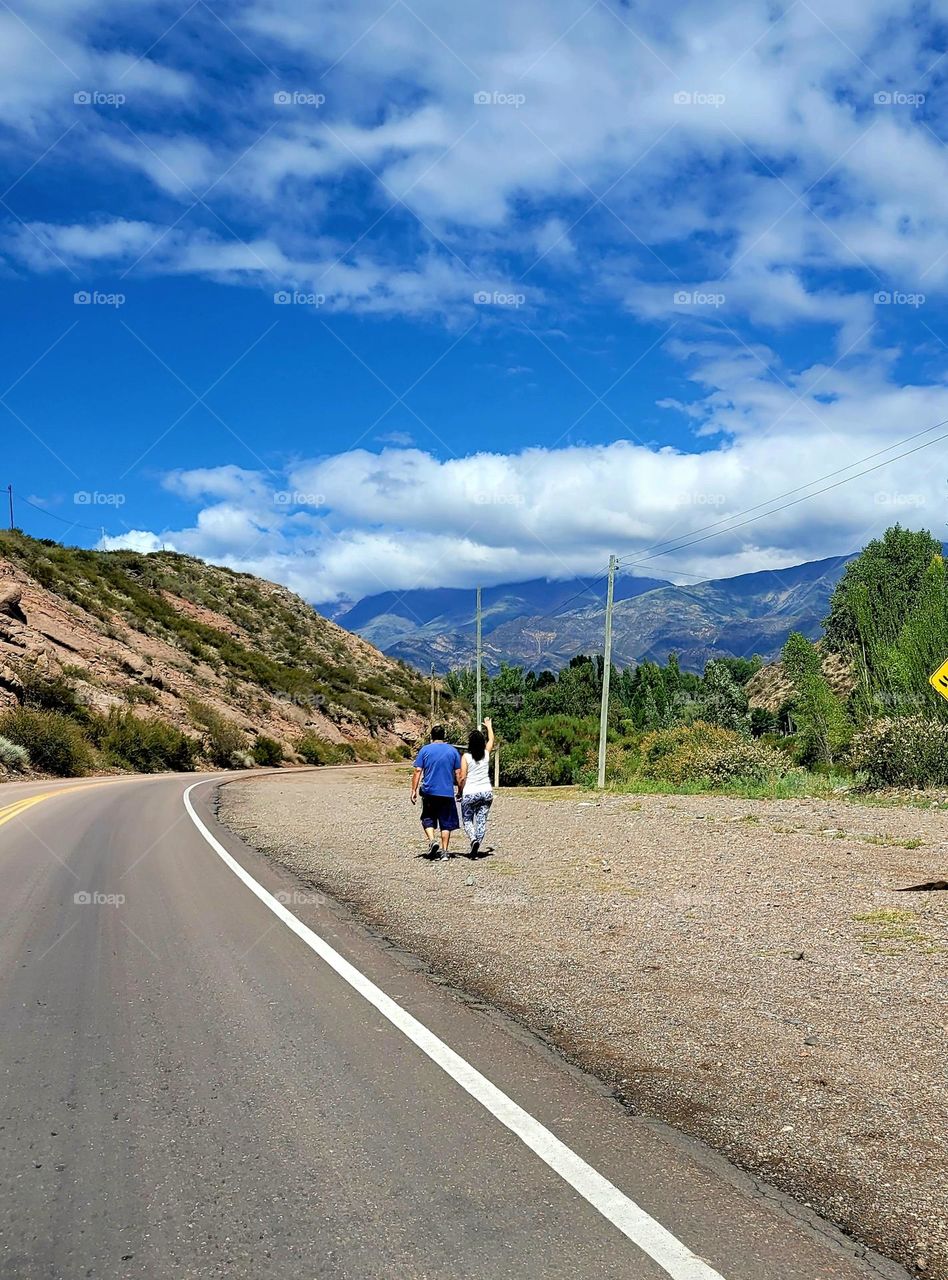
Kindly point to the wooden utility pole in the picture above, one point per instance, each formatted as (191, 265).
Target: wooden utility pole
(480, 708)
(10, 492)
(606, 673)
(432, 696)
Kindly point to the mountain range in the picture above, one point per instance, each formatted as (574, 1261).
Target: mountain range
(541, 624)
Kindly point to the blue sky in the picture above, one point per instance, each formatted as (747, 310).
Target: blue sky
(379, 295)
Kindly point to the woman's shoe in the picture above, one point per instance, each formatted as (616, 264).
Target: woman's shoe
(475, 848)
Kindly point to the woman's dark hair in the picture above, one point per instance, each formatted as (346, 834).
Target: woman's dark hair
(477, 744)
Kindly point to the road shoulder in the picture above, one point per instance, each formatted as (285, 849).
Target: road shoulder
(656, 943)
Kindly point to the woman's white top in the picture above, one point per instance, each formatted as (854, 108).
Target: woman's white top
(478, 775)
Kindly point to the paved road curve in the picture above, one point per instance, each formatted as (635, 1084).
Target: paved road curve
(197, 1083)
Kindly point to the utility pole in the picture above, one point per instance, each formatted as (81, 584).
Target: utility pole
(10, 492)
(432, 695)
(606, 673)
(480, 708)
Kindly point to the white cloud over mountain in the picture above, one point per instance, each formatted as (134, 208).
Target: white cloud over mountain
(824, 477)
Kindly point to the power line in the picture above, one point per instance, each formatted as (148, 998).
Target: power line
(819, 480)
(816, 493)
(635, 564)
(62, 519)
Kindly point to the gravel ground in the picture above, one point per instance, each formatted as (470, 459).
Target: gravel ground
(741, 968)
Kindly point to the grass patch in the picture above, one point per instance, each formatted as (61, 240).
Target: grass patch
(890, 931)
(790, 787)
(891, 842)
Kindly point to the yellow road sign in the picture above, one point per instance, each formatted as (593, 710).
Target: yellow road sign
(939, 679)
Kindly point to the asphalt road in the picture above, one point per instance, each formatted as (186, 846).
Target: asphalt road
(202, 1080)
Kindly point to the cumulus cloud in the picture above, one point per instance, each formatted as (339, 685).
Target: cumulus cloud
(362, 521)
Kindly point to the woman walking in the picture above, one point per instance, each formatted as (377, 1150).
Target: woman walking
(475, 791)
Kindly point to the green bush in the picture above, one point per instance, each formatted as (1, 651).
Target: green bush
(145, 745)
(702, 751)
(55, 743)
(44, 692)
(750, 761)
(317, 750)
(553, 751)
(13, 756)
(267, 751)
(140, 693)
(908, 752)
(683, 752)
(224, 741)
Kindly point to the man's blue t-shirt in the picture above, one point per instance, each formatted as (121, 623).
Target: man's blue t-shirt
(438, 760)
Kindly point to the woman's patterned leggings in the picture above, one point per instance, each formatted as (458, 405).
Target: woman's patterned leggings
(474, 811)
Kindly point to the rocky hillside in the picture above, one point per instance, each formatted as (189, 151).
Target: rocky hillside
(167, 634)
(771, 687)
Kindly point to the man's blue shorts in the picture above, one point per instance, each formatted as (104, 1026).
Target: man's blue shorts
(439, 811)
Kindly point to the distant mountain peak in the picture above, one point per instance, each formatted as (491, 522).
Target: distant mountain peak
(541, 623)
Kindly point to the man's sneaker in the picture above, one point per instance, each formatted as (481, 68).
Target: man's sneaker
(475, 848)
(445, 856)
(433, 848)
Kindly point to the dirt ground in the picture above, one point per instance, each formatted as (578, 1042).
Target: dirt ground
(743, 969)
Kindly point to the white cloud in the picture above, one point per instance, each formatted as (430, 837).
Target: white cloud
(775, 150)
(360, 522)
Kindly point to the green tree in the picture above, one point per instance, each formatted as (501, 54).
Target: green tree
(922, 645)
(821, 721)
(722, 700)
(576, 692)
(872, 600)
(648, 695)
(505, 696)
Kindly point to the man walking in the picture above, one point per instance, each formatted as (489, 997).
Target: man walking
(437, 778)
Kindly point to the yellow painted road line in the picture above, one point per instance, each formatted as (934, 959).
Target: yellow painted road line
(20, 806)
(13, 810)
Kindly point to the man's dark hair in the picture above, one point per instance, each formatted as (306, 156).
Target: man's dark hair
(437, 733)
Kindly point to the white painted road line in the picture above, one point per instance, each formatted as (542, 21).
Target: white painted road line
(642, 1229)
